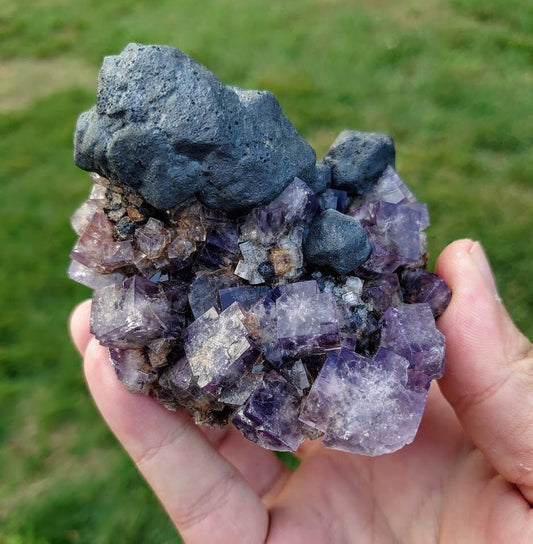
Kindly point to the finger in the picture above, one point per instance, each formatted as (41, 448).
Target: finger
(261, 468)
(79, 326)
(230, 443)
(489, 375)
(205, 496)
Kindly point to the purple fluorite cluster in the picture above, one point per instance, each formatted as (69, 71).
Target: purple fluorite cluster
(312, 315)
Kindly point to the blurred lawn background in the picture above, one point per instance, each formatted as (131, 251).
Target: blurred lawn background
(450, 80)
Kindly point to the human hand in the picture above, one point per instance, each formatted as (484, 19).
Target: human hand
(467, 477)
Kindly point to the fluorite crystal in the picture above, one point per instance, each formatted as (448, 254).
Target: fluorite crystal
(236, 279)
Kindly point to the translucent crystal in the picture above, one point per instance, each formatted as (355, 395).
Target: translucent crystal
(333, 199)
(152, 238)
(307, 324)
(131, 314)
(410, 331)
(364, 405)
(90, 278)
(395, 234)
(390, 188)
(248, 267)
(270, 416)
(88, 250)
(221, 247)
(245, 295)
(217, 348)
(133, 369)
(81, 217)
(419, 285)
(382, 292)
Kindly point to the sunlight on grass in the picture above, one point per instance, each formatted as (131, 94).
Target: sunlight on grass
(23, 81)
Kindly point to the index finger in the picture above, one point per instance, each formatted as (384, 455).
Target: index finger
(206, 496)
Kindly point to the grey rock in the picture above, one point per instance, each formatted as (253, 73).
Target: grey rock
(357, 159)
(322, 178)
(168, 128)
(337, 241)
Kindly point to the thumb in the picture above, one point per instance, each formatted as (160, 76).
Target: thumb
(489, 377)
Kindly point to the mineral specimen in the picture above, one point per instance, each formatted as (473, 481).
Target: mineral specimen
(166, 127)
(235, 278)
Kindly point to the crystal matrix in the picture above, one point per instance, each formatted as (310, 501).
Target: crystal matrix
(236, 279)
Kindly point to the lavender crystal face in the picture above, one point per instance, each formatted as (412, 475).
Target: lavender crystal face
(236, 279)
(364, 405)
(410, 332)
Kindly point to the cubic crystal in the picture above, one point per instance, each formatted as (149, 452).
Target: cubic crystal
(239, 280)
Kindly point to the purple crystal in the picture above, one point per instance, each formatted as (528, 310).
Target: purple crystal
(261, 319)
(82, 216)
(179, 380)
(117, 255)
(90, 278)
(296, 374)
(390, 188)
(221, 247)
(300, 201)
(239, 392)
(204, 292)
(307, 324)
(382, 292)
(419, 285)
(133, 369)
(333, 199)
(410, 331)
(363, 405)
(261, 324)
(269, 220)
(217, 348)
(89, 249)
(395, 234)
(188, 220)
(159, 350)
(130, 315)
(152, 239)
(188, 230)
(296, 205)
(178, 388)
(270, 416)
(245, 295)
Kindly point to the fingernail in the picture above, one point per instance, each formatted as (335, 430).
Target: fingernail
(480, 259)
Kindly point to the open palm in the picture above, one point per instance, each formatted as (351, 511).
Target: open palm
(467, 477)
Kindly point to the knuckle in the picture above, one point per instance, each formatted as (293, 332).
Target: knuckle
(212, 499)
(168, 440)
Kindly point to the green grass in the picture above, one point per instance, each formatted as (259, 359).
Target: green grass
(449, 80)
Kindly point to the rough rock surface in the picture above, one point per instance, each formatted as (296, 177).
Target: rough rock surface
(338, 241)
(357, 159)
(168, 128)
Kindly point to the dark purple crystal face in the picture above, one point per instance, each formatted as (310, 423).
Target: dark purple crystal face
(311, 315)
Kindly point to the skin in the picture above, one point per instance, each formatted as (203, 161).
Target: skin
(467, 477)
